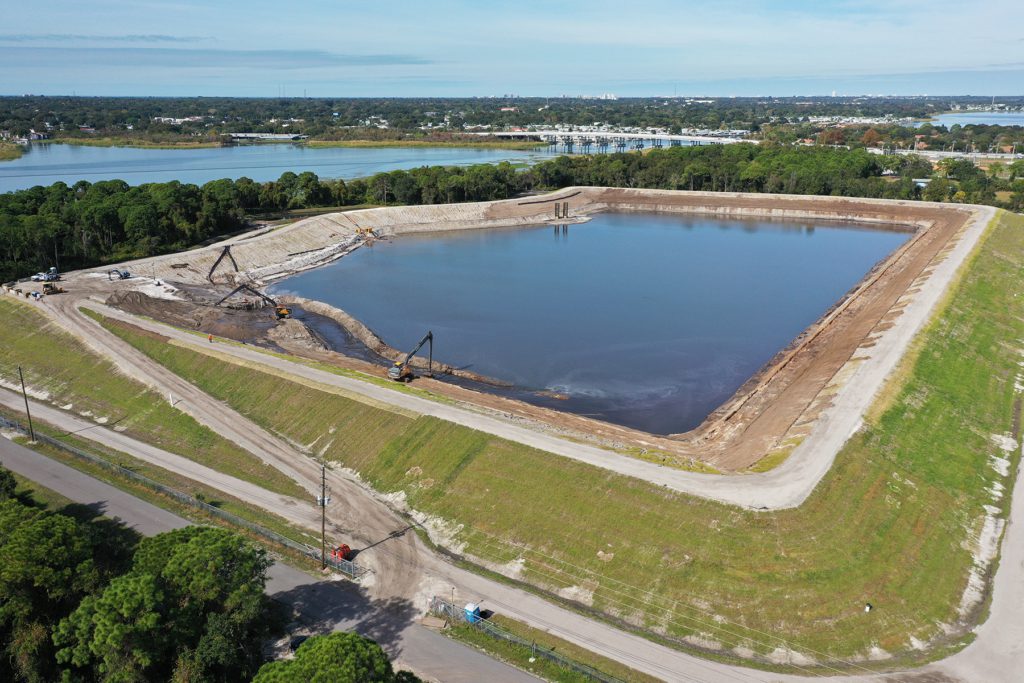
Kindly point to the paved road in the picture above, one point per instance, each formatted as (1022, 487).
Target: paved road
(325, 605)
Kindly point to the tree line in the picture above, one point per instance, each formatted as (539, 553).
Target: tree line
(84, 599)
(328, 117)
(88, 224)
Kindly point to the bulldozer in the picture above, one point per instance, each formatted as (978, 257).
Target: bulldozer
(50, 288)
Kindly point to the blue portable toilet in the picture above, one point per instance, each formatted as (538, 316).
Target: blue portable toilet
(472, 612)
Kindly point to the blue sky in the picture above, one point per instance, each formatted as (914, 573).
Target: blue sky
(460, 47)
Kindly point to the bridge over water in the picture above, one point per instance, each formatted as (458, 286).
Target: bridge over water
(605, 141)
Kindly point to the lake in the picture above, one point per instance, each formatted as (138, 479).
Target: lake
(978, 118)
(45, 164)
(645, 320)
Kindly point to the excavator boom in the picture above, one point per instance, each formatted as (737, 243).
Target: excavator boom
(280, 310)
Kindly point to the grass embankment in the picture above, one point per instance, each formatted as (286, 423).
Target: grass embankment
(136, 142)
(63, 369)
(891, 524)
(178, 482)
(469, 144)
(193, 488)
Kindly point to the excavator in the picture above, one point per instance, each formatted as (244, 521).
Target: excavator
(401, 372)
(280, 310)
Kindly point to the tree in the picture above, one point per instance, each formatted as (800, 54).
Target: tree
(193, 602)
(335, 658)
(871, 138)
(937, 190)
(8, 484)
(46, 566)
(122, 635)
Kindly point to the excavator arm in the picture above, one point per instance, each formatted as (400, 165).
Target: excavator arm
(280, 310)
(249, 289)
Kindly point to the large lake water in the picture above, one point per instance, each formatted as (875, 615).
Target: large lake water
(650, 321)
(46, 164)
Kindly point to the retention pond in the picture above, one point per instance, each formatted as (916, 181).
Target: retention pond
(644, 320)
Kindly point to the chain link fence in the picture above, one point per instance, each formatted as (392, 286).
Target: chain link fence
(456, 615)
(346, 567)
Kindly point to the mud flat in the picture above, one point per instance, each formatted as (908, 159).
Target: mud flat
(773, 411)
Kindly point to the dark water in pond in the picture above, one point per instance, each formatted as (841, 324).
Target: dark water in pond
(650, 321)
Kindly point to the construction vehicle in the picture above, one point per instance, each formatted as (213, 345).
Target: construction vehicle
(401, 372)
(116, 274)
(280, 310)
(50, 288)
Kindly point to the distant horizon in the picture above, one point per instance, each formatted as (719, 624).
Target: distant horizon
(459, 48)
(517, 96)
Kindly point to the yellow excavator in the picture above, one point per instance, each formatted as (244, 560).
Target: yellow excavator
(401, 372)
(280, 310)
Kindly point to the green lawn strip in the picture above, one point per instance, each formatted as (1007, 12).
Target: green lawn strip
(191, 487)
(178, 482)
(338, 427)
(309, 362)
(520, 656)
(890, 524)
(65, 368)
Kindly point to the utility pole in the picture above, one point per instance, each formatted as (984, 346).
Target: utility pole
(322, 501)
(24, 394)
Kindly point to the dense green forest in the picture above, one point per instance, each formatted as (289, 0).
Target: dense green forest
(955, 138)
(331, 118)
(87, 224)
(84, 599)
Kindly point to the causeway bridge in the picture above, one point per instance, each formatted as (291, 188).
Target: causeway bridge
(605, 141)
